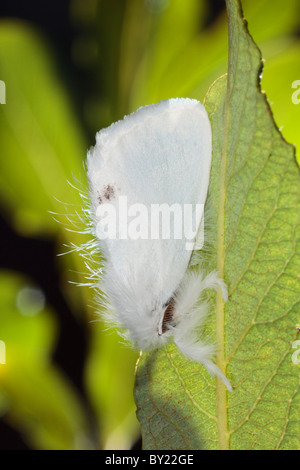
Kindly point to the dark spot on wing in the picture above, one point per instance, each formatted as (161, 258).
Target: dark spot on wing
(107, 194)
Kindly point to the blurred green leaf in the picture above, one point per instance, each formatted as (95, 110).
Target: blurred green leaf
(255, 194)
(286, 69)
(172, 30)
(42, 147)
(189, 70)
(110, 380)
(36, 398)
(269, 20)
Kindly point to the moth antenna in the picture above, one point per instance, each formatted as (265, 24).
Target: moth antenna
(198, 350)
(214, 281)
(191, 288)
(214, 369)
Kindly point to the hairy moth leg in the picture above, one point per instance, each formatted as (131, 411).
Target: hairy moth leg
(189, 315)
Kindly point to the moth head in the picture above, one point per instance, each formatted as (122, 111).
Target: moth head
(141, 304)
(148, 322)
(154, 327)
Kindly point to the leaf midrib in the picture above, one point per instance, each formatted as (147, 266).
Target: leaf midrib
(221, 392)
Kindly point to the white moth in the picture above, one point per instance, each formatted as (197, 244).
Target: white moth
(158, 155)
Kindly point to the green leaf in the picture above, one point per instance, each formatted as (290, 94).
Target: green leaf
(255, 195)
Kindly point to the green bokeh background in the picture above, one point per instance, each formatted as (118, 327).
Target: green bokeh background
(122, 55)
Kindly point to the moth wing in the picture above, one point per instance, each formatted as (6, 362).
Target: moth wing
(159, 155)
